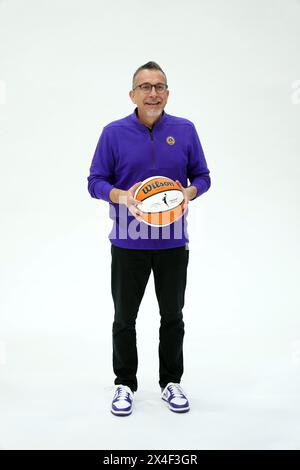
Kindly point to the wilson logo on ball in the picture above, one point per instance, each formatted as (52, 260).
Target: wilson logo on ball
(161, 199)
(155, 185)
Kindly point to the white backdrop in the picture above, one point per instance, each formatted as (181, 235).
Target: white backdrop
(233, 69)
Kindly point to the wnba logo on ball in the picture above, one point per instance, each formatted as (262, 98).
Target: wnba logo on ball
(170, 140)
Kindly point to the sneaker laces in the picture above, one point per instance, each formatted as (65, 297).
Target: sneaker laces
(121, 393)
(176, 390)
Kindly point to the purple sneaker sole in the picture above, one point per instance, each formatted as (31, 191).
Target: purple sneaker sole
(121, 413)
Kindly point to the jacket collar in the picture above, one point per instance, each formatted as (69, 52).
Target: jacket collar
(137, 121)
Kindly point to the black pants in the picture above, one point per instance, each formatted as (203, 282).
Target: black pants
(130, 271)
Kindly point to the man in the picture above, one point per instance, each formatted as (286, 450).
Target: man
(148, 142)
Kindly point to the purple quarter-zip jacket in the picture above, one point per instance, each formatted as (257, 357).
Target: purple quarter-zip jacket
(127, 152)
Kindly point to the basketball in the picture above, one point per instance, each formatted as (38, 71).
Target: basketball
(162, 201)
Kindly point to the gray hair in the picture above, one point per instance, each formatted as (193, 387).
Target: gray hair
(149, 66)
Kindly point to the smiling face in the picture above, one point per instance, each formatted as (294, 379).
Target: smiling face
(150, 105)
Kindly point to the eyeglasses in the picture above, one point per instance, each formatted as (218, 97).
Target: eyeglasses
(147, 87)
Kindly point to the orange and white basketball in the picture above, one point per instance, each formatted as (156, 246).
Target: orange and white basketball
(161, 199)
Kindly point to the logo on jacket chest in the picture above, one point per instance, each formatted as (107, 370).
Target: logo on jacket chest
(170, 140)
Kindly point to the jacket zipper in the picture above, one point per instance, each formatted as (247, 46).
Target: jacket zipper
(153, 149)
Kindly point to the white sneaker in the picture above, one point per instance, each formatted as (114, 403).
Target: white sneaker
(175, 397)
(122, 401)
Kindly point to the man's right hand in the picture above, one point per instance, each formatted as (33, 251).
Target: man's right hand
(127, 197)
(131, 203)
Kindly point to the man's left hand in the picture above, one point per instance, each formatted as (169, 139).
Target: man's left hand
(186, 195)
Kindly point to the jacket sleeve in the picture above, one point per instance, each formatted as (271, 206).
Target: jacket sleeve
(102, 169)
(197, 171)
